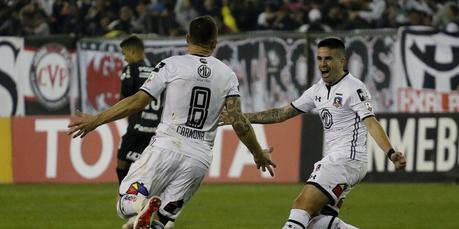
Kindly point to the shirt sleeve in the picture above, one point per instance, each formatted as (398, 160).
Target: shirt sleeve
(156, 83)
(305, 102)
(233, 89)
(361, 102)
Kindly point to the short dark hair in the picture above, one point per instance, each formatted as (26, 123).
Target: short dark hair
(332, 43)
(203, 30)
(132, 42)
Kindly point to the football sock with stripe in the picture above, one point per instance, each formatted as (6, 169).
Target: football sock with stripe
(298, 219)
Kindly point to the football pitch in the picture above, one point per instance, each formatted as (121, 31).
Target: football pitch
(263, 206)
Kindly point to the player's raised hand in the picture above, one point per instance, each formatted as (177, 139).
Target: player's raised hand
(82, 126)
(264, 161)
(399, 160)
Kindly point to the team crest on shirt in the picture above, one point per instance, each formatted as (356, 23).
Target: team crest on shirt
(338, 101)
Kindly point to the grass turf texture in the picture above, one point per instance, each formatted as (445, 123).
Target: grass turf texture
(231, 206)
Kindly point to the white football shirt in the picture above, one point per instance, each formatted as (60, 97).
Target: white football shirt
(341, 107)
(195, 92)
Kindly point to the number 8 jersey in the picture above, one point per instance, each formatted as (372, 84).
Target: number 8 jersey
(195, 92)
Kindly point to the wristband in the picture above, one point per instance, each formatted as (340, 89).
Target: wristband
(389, 153)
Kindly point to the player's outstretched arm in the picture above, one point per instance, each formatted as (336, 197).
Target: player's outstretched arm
(275, 115)
(380, 137)
(127, 106)
(244, 131)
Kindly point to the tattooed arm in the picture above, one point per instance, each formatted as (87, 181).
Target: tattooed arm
(273, 115)
(244, 131)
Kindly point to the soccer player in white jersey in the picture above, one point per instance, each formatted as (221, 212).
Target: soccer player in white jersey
(344, 105)
(170, 170)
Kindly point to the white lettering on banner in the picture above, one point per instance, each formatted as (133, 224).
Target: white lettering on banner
(243, 157)
(51, 127)
(446, 147)
(416, 144)
(427, 100)
(98, 168)
(424, 145)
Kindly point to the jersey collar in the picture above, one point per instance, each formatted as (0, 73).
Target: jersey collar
(345, 74)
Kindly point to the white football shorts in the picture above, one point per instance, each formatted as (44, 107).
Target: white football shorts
(167, 174)
(335, 176)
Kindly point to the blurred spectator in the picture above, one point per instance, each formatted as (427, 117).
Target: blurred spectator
(336, 16)
(144, 21)
(230, 25)
(171, 17)
(34, 20)
(246, 12)
(184, 12)
(124, 23)
(447, 18)
(371, 14)
(101, 28)
(165, 24)
(268, 17)
(314, 19)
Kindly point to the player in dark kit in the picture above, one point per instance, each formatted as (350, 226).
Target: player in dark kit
(142, 125)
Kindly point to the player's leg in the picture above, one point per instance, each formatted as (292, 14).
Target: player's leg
(171, 223)
(136, 188)
(325, 185)
(328, 222)
(189, 177)
(306, 205)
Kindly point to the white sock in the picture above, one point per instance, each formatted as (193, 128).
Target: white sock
(298, 219)
(129, 205)
(326, 221)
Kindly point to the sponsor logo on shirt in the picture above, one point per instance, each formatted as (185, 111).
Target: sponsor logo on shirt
(327, 118)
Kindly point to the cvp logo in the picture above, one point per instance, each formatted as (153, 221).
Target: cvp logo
(430, 60)
(204, 71)
(327, 118)
(51, 75)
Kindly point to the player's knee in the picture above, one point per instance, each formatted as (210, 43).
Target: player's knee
(129, 205)
(169, 211)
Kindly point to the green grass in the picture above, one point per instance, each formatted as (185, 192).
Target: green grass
(231, 206)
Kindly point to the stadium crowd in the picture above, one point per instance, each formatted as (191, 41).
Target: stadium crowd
(110, 18)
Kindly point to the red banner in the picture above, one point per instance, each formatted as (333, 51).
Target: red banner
(43, 152)
(234, 164)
